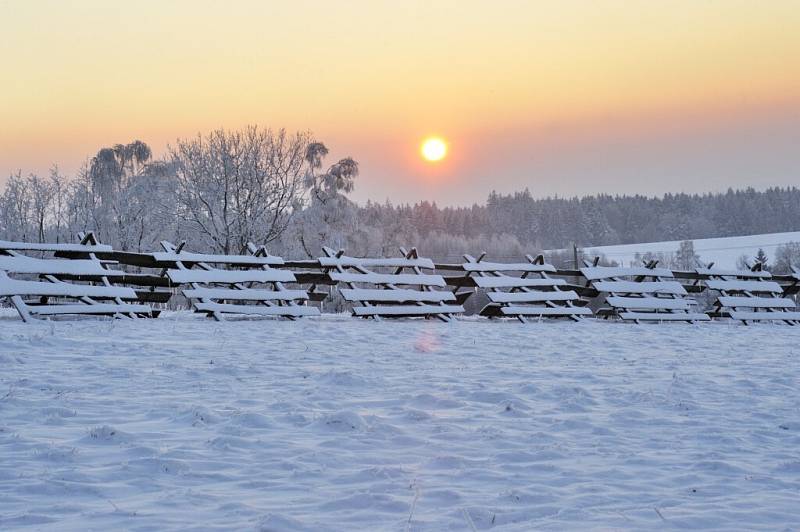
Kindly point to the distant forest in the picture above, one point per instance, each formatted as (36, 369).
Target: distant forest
(224, 189)
(554, 222)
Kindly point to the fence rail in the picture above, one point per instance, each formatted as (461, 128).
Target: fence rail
(88, 278)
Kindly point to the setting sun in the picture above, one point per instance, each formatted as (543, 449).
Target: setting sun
(433, 149)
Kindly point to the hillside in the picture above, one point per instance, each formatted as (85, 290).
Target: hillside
(723, 252)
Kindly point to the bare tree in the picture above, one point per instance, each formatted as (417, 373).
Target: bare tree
(83, 204)
(240, 186)
(60, 190)
(16, 209)
(786, 256)
(144, 211)
(27, 207)
(41, 197)
(686, 258)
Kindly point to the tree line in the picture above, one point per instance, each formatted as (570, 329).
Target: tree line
(217, 191)
(598, 220)
(223, 189)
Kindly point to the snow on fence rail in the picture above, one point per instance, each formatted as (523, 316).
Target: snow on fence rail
(390, 294)
(792, 282)
(528, 292)
(255, 288)
(150, 287)
(747, 300)
(642, 293)
(57, 284)
(85, 278)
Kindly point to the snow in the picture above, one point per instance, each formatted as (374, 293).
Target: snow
(649, 303)
(399, 294)
(246, 294)
(94, 308)
(723, 252)
(257, 310)
(229, 276)
(33, 246)
(531, 297)
(504, 281)
(756, 302)
(733, 273)
(192, 258)
(398, 262)
(11, 287)
(741, 315)
(751, 286)
(407, 310)
(23, 264)
(388, 278)
(663, 316)
(342, 424)
(608, 272)
(507, 267)
(644, 287)
(512, 310)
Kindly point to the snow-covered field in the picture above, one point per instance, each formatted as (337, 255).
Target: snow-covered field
(724, 252)
(342, 424)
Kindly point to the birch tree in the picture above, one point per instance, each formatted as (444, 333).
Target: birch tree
(329, 217)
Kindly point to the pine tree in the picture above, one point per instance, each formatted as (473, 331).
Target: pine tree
(762, 260)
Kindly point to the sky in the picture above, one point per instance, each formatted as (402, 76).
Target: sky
(569, 97)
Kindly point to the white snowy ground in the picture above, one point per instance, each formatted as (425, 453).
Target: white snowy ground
(724, 252)
(345, 424)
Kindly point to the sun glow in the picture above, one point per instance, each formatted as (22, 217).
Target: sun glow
(433, 149)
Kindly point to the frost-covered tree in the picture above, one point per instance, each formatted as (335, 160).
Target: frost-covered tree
(762, 260)
(686, 258)
(16, 209)
(83, 204)
(105, 173)
(786, 257)
(743, 262)
(144, 210)
(220, 190)
(123, 196)
(328, 217)
(41, 193)
(31, 207)
(58, 229)
(235, 187)
(111, 168)
(662, 259)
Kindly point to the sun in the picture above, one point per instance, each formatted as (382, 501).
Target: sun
(433, 149)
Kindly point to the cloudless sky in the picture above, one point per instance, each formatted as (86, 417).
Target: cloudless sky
(567, 97)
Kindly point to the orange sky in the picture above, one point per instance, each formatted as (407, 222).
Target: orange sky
(562, 97)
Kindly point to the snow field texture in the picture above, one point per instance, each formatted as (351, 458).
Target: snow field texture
(342, 424)
(723, 252)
